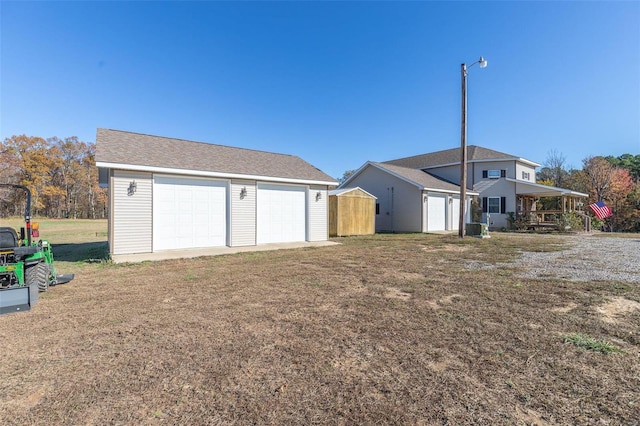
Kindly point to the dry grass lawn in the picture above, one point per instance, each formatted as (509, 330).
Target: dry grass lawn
(387, 329)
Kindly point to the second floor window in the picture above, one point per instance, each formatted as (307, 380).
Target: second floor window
(494, 174)
(526, 176)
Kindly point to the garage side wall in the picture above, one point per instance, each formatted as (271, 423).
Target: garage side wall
(132, 212)
(318, 208)
(243, 213)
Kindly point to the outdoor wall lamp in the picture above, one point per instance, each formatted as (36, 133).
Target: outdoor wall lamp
(243, 193)
(463, 143)
(318, 196)
(133, 187)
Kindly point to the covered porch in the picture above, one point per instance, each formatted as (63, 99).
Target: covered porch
(540, 206)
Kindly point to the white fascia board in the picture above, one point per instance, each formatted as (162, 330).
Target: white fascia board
(578, 194)
(338, 192)
(497, 160)
(446, 191)
(530, 163)
(488, 160)
(185, 172)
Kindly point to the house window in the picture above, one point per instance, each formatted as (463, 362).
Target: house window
(494, 205)
(494, 174)
(526, 176)
(377, 208)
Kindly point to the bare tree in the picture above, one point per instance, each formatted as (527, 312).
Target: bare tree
(554, 169)
(599, 174)
(346, 175)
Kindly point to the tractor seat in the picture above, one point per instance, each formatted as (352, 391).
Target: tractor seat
(8, 238)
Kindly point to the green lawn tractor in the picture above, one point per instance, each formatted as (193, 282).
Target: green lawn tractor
(26, 266)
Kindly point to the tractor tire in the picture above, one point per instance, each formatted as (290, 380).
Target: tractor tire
(39, 274)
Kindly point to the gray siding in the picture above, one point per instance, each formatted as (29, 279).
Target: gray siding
(520, 167)
(400, 202)
(499, 188)
(132, 213)
(243, 213)
(318, 214)
(509, 166)
(451, 173)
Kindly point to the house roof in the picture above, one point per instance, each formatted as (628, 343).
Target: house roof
(538, 190)
(452, 156)
(135, 151)
(423, 180)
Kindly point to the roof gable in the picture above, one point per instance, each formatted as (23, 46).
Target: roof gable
(135, 149)
(452, 156)
(421, 179)
(356, 190)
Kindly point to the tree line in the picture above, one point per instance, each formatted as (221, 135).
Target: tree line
(60, 173)
(613, 180)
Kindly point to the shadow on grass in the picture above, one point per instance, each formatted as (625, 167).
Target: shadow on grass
(82, 252)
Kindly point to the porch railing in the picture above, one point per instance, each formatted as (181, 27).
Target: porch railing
(542, 216)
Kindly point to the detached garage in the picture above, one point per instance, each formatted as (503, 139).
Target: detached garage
(172, 194)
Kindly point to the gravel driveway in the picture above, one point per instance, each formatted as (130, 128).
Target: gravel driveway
(587, 258)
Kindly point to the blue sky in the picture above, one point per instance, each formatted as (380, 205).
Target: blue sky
(336, 83)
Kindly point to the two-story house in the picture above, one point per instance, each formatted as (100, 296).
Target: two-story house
(505, 183)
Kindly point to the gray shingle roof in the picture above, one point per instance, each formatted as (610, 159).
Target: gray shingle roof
(419, 177)
(119, 147)
(451, 156)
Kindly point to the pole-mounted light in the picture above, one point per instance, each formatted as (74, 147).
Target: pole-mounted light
(482, 63)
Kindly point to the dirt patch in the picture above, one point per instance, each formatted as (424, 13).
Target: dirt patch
(30, 399)
(446, 248)
(403, 276)
(616, 307)
(449, 299)
(395, 293)
(528, 416)
(565, 309)
(443, 301)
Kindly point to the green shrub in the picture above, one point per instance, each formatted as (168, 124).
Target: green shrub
(570, 221)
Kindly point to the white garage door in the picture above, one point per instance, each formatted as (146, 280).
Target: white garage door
(436, 212)
(188, 213)
(281, 213)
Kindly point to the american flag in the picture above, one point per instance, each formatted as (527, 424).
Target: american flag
(601, 210)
